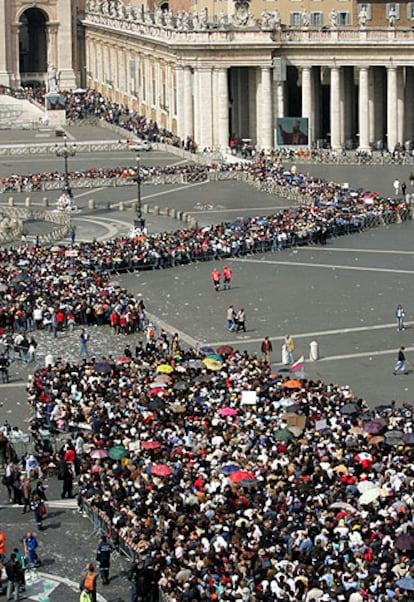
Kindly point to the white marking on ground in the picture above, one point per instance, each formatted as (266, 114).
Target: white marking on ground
(325, 266)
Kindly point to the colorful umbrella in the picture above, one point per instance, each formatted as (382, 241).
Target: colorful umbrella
(292, 384)
(123, 359)
(363, 457)
(165, 369)
(227, 411)
(373, 427)
(206, 350)
(98, 454)
(156, 390)
(212, 364)
(239, 475)
(283, 435)
(230, 468)
(118, 452)
(370, 495)
(224, 349)
(343, 506)
(150, 444)
(404, 542)
(162, 378)
(214, 356)
(161, 470)
(405, 583)
(394, 437)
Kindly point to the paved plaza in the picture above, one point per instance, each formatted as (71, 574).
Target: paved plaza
(343, 296)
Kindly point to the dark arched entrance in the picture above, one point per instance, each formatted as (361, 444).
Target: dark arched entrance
(33, 42)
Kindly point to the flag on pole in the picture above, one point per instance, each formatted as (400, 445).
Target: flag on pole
(299, 364)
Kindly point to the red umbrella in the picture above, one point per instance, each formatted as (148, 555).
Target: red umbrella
(224, 349)
(161, 470)
(227, 411)
(239, 475)
(150, 444)
(156, 390)
(123, 359)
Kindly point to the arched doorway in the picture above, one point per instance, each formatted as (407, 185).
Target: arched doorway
(33, 43)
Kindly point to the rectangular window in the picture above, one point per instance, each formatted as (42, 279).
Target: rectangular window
(295, 19)
(316, 19)
(343, 18)
(410, 10)
(368, 10)
(390, 6)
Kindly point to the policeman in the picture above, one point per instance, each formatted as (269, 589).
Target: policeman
(103, 556)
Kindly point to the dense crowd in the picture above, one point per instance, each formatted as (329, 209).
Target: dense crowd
(77, 280)
(234, 483)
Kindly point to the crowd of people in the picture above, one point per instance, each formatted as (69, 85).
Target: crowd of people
(57, 286)
(231, 482)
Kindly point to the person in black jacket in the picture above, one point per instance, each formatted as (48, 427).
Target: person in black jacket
(15, 576)
(103, 556)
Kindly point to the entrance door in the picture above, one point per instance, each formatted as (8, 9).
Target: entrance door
(33, 44)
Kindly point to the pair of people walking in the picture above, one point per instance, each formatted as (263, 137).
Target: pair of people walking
(216, 278)
(236, 320)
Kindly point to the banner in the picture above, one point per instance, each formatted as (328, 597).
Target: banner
(292, 131)
(55, 102)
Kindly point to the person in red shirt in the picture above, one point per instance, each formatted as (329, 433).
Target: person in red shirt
(215, 276)
(227, 274)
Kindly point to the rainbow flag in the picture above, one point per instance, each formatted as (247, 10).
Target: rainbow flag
(299, 364)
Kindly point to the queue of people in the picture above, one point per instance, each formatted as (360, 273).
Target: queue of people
(236, 483)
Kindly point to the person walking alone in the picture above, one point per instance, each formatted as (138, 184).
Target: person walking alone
(103, 557)
(266, 349)
(400, 315)
(88, 581)
(400, 366)
(83, 346)
(290, 347)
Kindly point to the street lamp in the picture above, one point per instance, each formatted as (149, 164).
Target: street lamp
(65, 151)
(139, 221)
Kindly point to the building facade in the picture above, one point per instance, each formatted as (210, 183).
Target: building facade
(234, 76)
(214, 70)
(38, 42)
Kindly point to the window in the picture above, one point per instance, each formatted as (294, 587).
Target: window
(410, 10)
(316, 19)
(343, 18)
(295, 19)
(368, 10)
(395, 6)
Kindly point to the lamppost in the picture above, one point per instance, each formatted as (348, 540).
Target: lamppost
(65, 201)
(139, 221)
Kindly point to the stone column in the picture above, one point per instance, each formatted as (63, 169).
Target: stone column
(316, 109)
(401, 135)
(222, 116)
(363, 109)
(179, 91)
(188, 111)
(392, 117)
(15, 62)
(264, 129)
(279, 96)
(203, 107)
(52, 31)
(4, 75)
(254, 103)
(64, 45)
(409, 95)
(335, 109)
(307, 99)
(371, 104)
